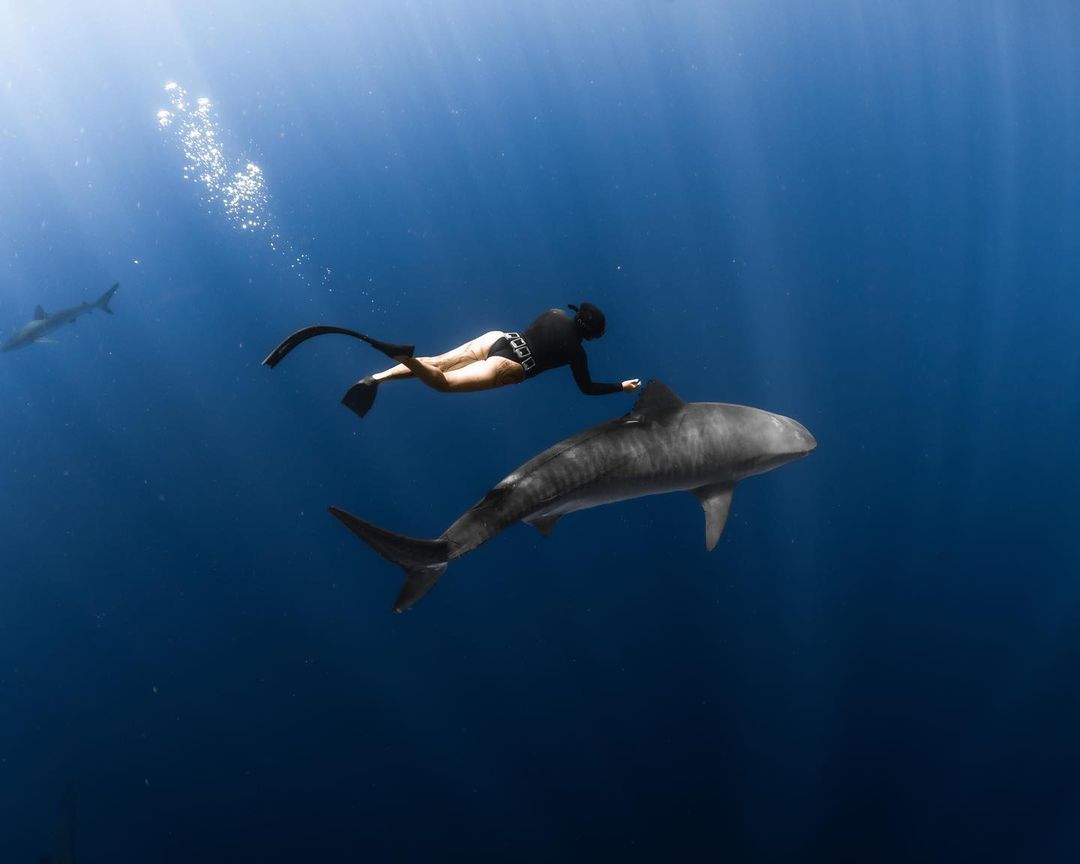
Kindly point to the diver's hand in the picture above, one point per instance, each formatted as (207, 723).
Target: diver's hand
(631, 385)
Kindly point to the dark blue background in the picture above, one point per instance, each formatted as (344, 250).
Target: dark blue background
(861, 215)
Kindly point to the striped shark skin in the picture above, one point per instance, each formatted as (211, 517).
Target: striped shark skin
(662, 445)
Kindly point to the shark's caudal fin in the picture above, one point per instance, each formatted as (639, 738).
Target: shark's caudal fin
(102, 302)
(304, 333)
(423, 561)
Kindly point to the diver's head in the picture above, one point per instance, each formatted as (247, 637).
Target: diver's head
(589, 320)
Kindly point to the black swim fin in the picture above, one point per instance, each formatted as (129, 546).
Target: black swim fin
(389, 348)
(278, 354)
(361, 396)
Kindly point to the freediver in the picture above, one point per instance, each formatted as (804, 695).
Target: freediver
(492, 360)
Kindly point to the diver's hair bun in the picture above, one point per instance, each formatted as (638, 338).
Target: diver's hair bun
(590, 319)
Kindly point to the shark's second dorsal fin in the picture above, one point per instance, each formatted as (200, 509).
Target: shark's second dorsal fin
(39, 314)
(656, 397)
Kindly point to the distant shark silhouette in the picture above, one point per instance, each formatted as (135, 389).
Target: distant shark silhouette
(663, 445)
(44, 323)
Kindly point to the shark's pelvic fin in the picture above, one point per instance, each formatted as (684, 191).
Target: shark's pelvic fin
(423, 561)
(716, 502)
(39, 314)
(656, 398)
(545, 524)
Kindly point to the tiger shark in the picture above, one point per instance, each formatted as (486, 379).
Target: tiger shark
(662, 445)
(44, 323)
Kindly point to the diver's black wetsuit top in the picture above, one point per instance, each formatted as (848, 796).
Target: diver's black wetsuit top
(552, 340)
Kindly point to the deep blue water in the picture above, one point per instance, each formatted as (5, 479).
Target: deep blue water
(863, 215)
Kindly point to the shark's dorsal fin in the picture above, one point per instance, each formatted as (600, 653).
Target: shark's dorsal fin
(716, 502)
(545, 524)
(39, 314)
(656, 397)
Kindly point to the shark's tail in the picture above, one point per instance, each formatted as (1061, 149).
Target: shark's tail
(102, 302)
(423, 561)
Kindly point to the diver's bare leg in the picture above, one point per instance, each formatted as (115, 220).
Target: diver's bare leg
(473, 351)
(483, 375)
(466, 368)
(394, 373)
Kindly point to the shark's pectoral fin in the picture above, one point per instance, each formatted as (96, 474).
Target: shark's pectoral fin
(716, 502)
(544, 524)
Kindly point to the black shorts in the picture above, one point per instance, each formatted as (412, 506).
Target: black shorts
(513, 346)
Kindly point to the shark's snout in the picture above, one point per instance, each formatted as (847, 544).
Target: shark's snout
(806, 441)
